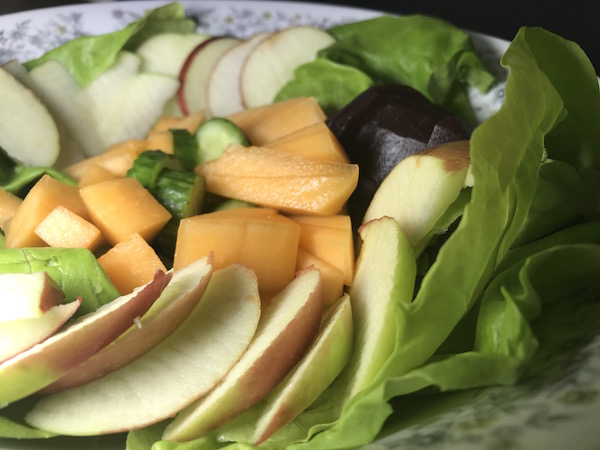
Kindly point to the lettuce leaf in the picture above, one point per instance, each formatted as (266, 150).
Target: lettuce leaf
(89, 56)
(428, 54)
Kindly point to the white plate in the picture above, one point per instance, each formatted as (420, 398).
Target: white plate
(559, 410)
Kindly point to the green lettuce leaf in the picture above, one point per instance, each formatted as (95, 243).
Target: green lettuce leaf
(333, 85)
(428, 54)
(88, 56)
(75, 270)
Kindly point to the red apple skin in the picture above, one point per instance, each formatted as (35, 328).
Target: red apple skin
(183, 73)
(44, 363)
(252, 384)
(52, 295)
(134, 343)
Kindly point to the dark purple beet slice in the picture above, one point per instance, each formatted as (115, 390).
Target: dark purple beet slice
(381, 127)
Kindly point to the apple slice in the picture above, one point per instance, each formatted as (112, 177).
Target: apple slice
(27, 295)
(44, 363)
(321, 364)
(183, 367)
(196, 71)
(288, 326)
(19, 335)
(272, 63)
(223, 95)
(419, 190)
(28, 133)
(384, 280)
(165, 53)
(172, 308)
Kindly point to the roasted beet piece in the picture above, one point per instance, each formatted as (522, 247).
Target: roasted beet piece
(384, 125)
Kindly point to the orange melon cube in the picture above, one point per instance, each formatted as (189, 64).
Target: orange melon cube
(41, 199)
(131, 263)
(315, 142)
(267, 244)
(9, 203)
(190, 123)
(267, 123)
(122, 207)
(278, 180)
(330, 239)
(332, 278)
(117, 159)
(95, 174)
(65, 229)
(160, 140)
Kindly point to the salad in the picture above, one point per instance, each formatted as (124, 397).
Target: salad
(471, 308)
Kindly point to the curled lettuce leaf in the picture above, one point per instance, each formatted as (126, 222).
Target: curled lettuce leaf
(425, 53)
(88, 56)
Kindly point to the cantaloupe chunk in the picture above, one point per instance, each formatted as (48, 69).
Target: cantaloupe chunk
(267, 123)
(160, 140)
(266, 243)
(9, 203)
(131, 263)
(190, 123)
(63, 228)
(278, 180)
(95, 174)
(122, 207)
(332, 278)
(117, 159)
(315, 141)
(329, 238)
(41, 199)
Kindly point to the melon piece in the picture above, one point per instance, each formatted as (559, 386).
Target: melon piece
(130, 263)
(44, 196)
(331, 277)
(160, 140)
(274, 179)
(95, 174)
(329, 238)
(117, 159)
(122, 207)
(270, 122)
(63, 228)
(260, 239)
(9, 203)
(190, 122)
(315, 141)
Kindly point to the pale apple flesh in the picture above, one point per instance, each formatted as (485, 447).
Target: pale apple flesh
(172, 308)
(182, 368)
(419, 190)
(321, 364)
(44, 363)
(27, 295)
(287, 328)
(196, 70)
(384, 279)
(19, 335)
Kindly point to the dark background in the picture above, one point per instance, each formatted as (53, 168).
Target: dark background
(573, 19)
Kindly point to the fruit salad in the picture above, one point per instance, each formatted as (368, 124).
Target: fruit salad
(219, 242)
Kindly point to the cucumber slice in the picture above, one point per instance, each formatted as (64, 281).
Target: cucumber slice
(214, 135)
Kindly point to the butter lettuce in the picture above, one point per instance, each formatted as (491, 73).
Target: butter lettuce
(425, 53)
(476, 317)
(88, 56)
